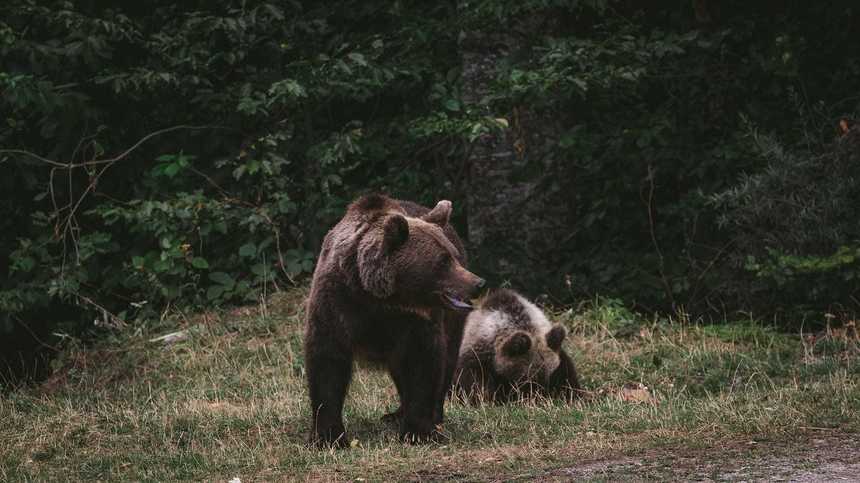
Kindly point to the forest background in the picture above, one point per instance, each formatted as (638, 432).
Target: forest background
(680, 157)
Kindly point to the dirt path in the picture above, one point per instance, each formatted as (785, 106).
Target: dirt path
(823, 457)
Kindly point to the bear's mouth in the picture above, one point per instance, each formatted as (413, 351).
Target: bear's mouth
(455, 302)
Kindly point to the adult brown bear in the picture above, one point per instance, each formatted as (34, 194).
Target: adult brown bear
(389, 287)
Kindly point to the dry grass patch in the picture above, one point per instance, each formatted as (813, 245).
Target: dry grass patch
(230, 400)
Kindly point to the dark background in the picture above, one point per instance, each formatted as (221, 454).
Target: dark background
(693, 157)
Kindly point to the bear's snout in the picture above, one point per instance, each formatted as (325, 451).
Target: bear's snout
(460, 286)
(471, 282)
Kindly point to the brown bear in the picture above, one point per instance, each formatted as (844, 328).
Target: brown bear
(510, 350)
(389, 287)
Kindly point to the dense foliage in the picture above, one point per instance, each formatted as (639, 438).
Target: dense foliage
(194, 153)
(649, 150)
(283, 111)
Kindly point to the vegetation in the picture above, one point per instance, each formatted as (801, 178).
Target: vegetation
(230, 401)
(677, 154)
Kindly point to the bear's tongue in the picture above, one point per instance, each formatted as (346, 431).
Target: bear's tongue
(457, 303)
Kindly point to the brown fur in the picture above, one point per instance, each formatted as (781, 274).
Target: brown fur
(381, 291)
(510, 350)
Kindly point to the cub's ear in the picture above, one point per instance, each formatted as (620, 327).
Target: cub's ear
(517, 344)
(440, 214)
(395, 232)
(555, 337)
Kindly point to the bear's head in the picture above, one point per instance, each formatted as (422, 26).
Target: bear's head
(525, 356)
(409, 262)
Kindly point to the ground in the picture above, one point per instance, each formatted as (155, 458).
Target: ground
(671, 399)
(822, 455)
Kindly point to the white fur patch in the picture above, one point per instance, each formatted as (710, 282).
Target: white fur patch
(541, 325)
(486, 329)
(482, 327)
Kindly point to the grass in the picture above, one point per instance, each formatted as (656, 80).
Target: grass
(230, 401)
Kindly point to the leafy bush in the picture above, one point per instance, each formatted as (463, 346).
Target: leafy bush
(195, 153)
(629, 118)
(795, 224)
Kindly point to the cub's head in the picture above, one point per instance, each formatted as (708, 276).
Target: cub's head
(410, 262)
(524, 344)
(529, 356)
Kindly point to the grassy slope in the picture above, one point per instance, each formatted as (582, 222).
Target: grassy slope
(230, 401)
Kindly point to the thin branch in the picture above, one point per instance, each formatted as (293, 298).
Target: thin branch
(67, 226)
(110, 319)
(33, 334)
(662, 267)
(96, 162)
(32, 155)
(145, 139)
(697, 284)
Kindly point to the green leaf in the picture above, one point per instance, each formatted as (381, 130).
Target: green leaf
(222, 278)
(214, 292)
(260, 270)
(171, 169)
(200, 263)
(248, 250)
(286, 206)
(243, 287)
(358, 58)
(452, 105)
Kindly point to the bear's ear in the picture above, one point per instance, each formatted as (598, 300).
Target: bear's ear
(517, 344)
(395, 232)
(375, 268)
(555, 337)
(440, 214)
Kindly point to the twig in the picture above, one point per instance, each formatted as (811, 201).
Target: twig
(697, 285)
(103, 161)
(67, 226)
(34, 336)
(662, 267)
(110, 318)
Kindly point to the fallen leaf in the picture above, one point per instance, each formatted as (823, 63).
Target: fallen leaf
(636, 392)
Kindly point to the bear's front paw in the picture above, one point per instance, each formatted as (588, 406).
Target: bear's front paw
(334, 437)
(422, 434)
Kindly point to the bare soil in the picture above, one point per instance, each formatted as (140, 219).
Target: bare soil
(822, 455)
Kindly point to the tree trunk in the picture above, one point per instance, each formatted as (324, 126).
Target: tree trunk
(506, 216)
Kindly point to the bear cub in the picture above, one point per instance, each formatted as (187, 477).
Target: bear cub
(389, 287)
(511, 350)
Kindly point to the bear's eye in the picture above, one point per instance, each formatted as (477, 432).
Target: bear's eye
(443, 263)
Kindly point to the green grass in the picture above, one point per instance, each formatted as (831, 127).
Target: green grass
(231, 401)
